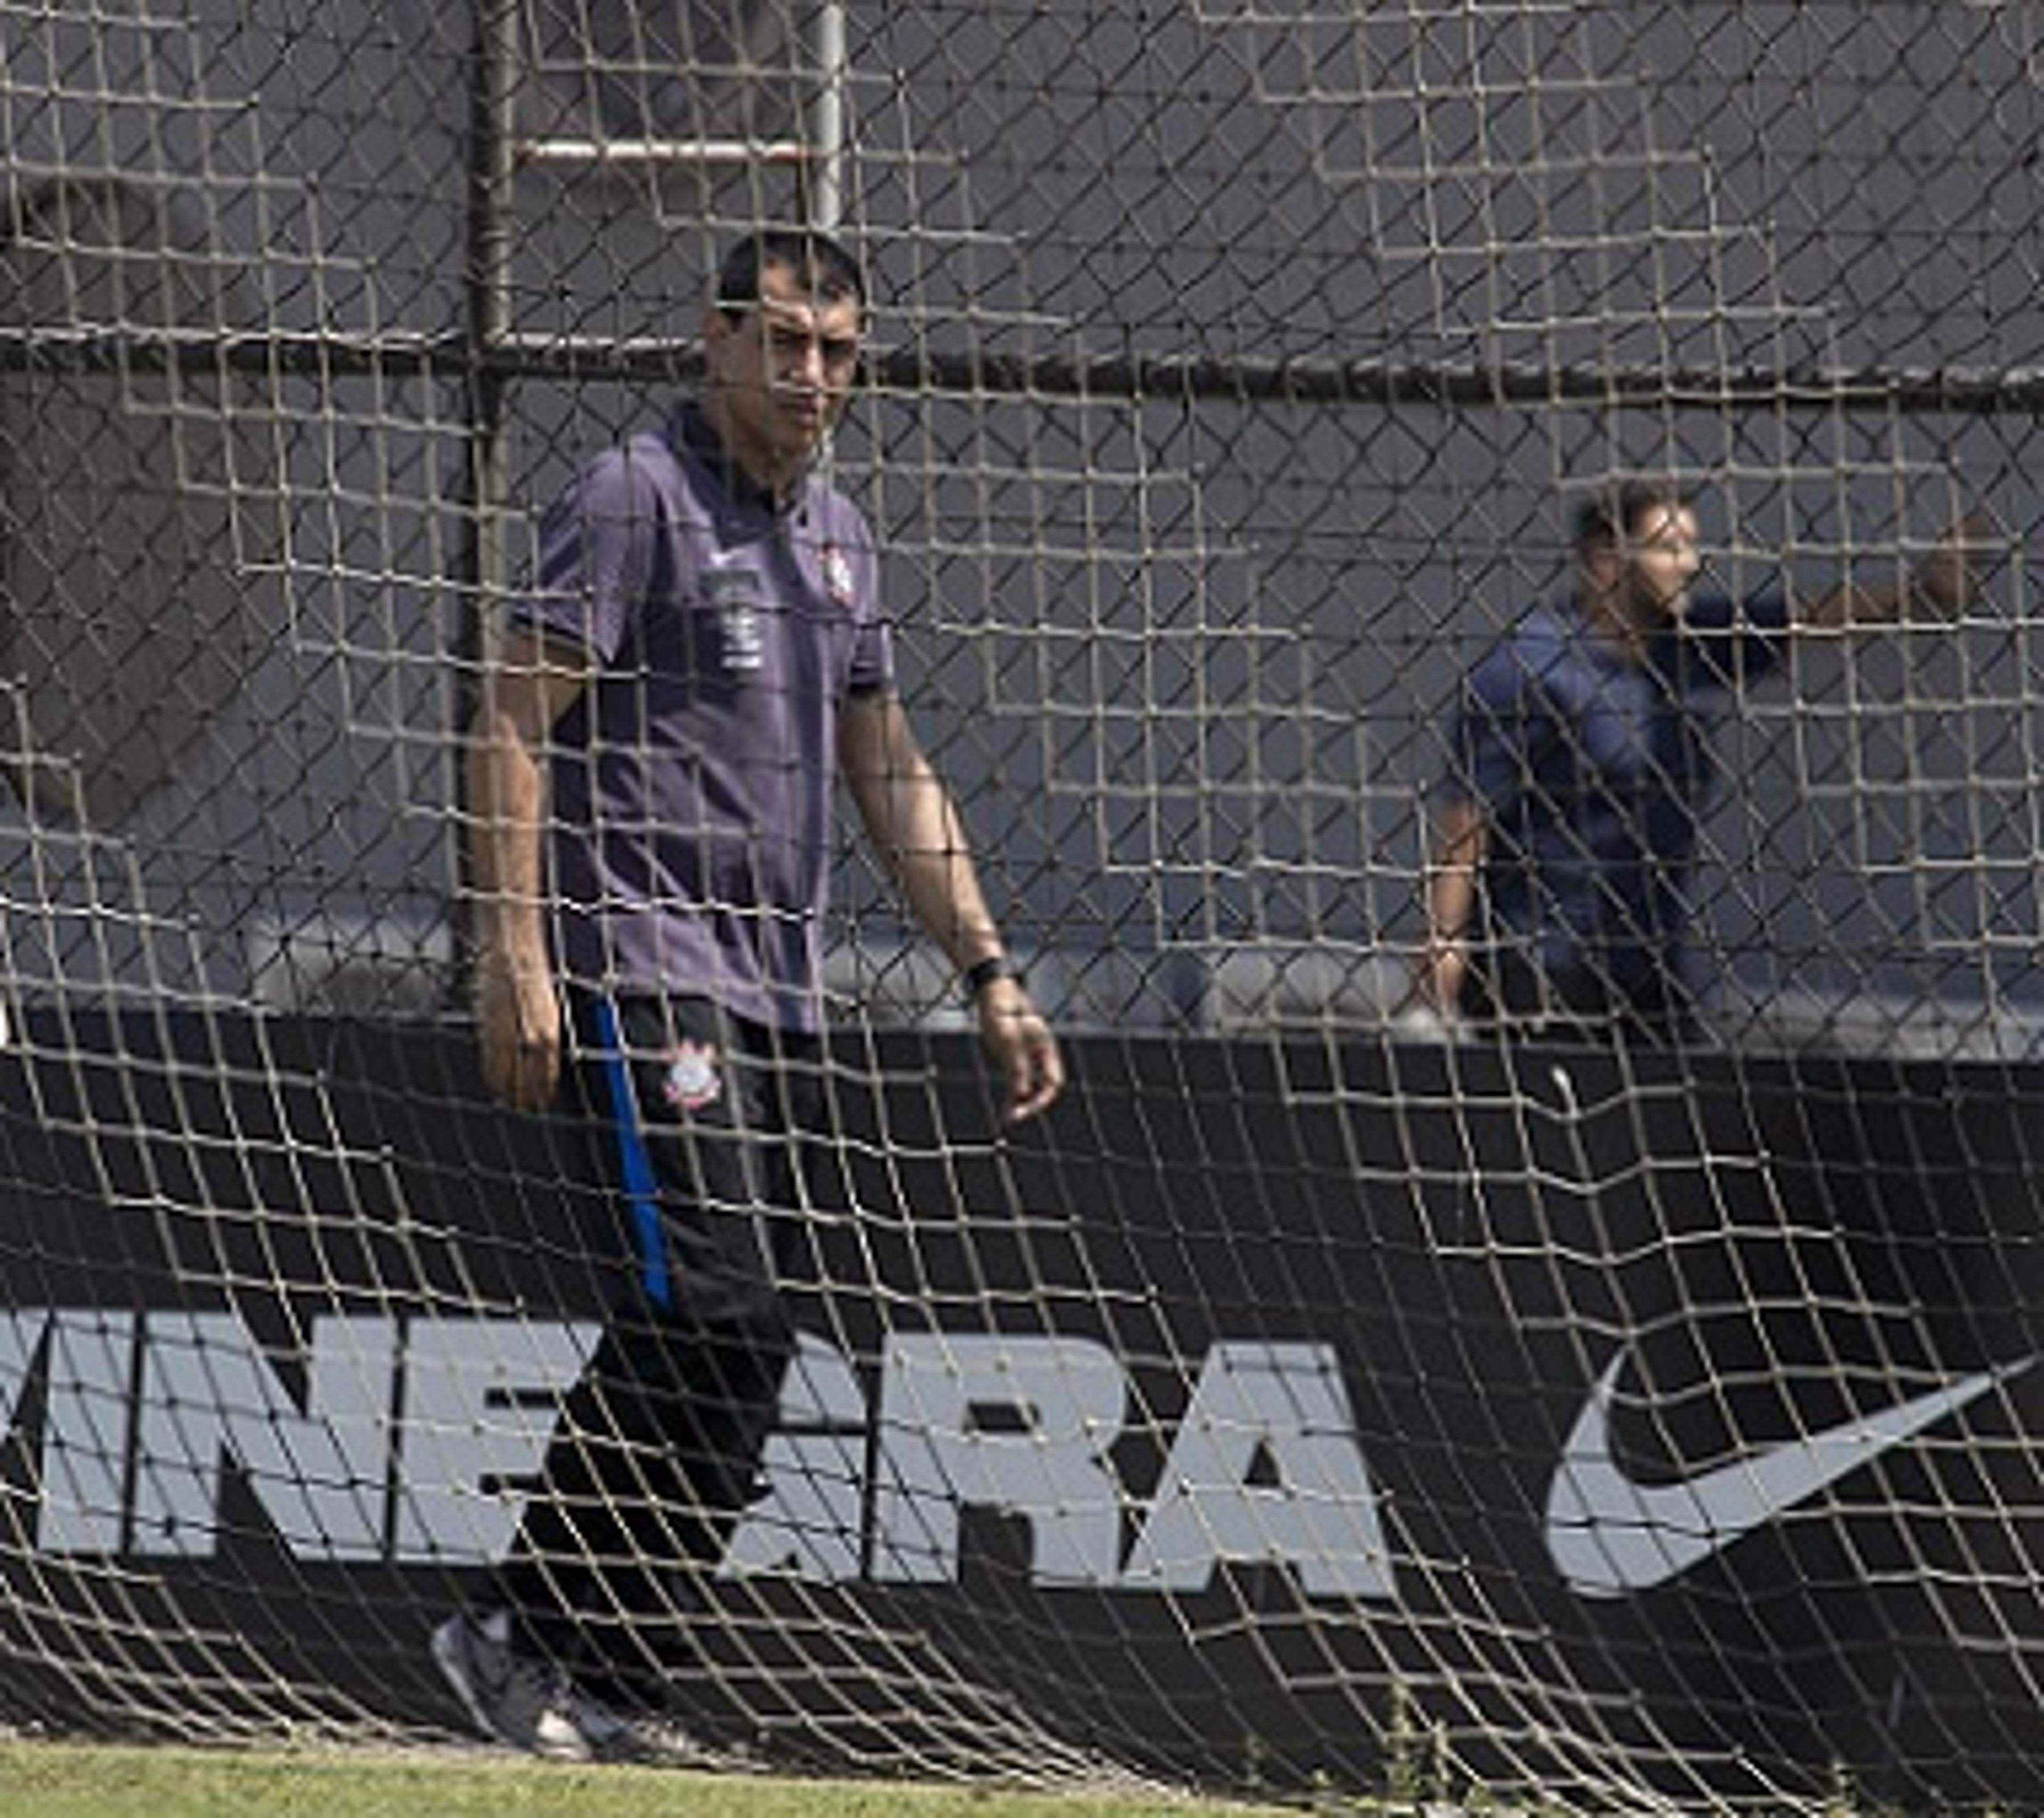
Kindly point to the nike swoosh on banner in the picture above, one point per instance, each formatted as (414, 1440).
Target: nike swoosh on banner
(1610, 1535)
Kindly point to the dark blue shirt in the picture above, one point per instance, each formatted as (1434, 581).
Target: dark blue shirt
(1592, 772)
(693, 783)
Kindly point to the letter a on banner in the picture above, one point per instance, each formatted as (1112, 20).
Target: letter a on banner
(1288, 1403)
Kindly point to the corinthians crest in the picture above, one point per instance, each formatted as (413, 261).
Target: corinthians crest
(694, 1078)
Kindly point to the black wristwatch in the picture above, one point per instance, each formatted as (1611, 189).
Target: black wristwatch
(982, 973)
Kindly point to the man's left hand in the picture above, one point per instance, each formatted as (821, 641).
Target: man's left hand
(1020, 1043)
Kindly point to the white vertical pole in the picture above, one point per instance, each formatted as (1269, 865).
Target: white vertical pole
(823, 116)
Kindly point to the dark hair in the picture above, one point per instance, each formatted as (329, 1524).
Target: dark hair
(1612, 513)
(833, 274)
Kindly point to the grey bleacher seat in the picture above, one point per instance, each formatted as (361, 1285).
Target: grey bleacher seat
(1287, 985)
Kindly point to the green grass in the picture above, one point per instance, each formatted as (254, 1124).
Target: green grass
(52, 1780)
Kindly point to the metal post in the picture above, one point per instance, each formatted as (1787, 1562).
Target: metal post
(483, 576)
(493, 168)
(823, 116)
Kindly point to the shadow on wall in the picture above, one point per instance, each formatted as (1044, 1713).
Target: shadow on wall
(137, 495)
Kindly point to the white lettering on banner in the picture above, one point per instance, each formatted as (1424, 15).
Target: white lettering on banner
(207, 1394)
(1023, 1426)
(481, 1401)
(140, 1416)
(22, 1330)
(1287, 1405)
(412, 1437)
(85, 1423)
(809, 1522)
(1013, 1424)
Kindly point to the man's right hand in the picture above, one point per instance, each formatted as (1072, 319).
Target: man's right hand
(519, 1013)
(1946, 579)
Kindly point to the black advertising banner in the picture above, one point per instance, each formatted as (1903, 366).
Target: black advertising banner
(1640, 1420)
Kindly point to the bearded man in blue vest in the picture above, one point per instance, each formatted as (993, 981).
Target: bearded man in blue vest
(1557, 897)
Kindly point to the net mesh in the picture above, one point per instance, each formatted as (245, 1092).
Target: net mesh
(1236, 371)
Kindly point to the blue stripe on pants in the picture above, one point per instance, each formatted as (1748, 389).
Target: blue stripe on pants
(640, 1194)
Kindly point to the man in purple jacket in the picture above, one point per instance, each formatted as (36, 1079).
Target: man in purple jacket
(650, 781)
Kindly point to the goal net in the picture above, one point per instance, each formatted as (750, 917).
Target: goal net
(1321, 1395)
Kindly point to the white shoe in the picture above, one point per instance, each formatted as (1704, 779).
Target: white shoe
(522, 1703)
(640, 1737)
